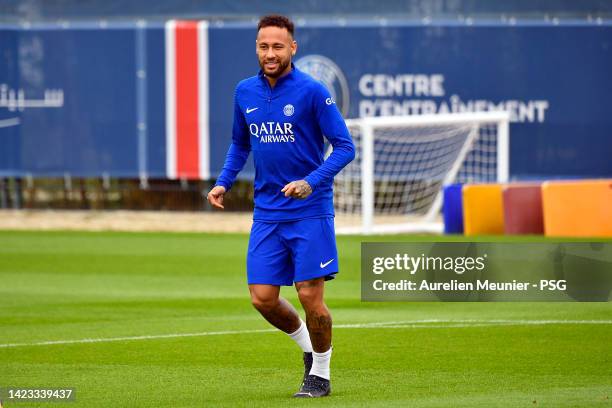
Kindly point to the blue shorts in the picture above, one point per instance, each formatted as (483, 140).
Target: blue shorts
(293, 251)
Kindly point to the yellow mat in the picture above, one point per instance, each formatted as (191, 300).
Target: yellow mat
(483, 211)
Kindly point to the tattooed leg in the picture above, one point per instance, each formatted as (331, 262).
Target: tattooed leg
(318, 319)
(276, 310)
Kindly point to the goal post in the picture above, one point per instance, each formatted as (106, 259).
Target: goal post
(402, 164)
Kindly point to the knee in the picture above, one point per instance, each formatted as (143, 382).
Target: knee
(310, 299)
(263, 304)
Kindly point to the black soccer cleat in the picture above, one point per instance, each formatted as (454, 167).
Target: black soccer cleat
(307, 365)
(314, 387)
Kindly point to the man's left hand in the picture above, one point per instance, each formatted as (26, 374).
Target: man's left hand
(297, 189)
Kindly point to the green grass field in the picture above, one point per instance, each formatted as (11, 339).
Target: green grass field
(136, 293)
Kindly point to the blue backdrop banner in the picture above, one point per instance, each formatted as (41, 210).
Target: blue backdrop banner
(93, 99)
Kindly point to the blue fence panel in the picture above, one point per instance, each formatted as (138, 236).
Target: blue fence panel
(553, 78)
(10, 153)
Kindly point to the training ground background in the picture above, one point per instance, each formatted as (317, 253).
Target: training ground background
(145, 319)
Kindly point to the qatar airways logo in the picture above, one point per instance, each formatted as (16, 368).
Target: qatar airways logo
(273, 132)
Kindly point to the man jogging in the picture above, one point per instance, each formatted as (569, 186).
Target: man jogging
(282, 115)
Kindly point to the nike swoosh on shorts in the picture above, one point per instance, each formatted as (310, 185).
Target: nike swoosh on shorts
(323, 265)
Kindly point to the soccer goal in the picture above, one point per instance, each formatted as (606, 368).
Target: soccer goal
(402, 163)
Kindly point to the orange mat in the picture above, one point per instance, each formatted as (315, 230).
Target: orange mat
(577, 208)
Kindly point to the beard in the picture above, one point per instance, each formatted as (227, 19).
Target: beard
(280, 68)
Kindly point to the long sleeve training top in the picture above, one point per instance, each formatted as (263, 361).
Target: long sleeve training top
(284, 127)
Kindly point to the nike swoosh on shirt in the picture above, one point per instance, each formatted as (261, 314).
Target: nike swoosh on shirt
(249, 110)
(323, 265)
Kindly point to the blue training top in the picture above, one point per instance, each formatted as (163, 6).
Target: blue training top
(284, 127)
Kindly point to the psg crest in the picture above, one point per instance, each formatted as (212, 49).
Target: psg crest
(288, 110)
(327, 72)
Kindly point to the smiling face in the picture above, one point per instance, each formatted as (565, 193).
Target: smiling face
(275, 47)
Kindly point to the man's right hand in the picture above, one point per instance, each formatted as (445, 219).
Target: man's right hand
(215, 196)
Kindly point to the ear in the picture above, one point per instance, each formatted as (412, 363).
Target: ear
(293, 47)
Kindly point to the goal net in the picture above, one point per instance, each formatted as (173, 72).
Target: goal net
(402, 163)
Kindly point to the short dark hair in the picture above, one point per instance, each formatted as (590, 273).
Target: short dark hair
(276, 20)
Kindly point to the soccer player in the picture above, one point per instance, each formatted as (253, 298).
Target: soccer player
(282, 115)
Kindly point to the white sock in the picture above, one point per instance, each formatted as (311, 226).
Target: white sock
(320, 364)
(302, 337)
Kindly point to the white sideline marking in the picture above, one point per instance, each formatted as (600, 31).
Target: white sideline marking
(405, 324)
(155, 336)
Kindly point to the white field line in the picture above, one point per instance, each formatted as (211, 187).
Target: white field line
(405, 324)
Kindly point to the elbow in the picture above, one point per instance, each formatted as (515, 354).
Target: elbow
(351, 154)
(346, 153)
